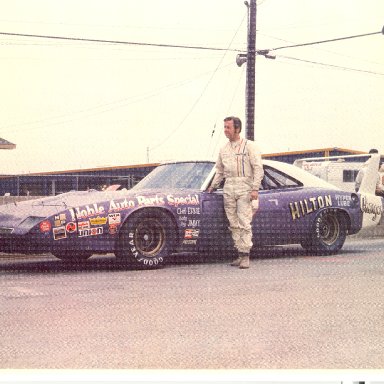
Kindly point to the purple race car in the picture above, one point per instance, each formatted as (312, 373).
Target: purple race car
(169, 211)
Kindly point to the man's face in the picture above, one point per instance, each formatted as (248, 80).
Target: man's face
(229, 130)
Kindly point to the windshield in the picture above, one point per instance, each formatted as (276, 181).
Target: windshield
(177, 175)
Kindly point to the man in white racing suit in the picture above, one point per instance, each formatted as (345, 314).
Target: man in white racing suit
(239, 163)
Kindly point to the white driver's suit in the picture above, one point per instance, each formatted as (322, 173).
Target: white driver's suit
(239, 163)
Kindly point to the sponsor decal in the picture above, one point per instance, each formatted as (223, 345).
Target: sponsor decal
(190, 242)
(91, 231)
(113, 229)
(174, 201)
(193, 211)
(120, 205)
(191, 233)
(98, 220)
(188, 211)
(144, 200)
(83, 225)
(71, 227)
(343, 200)
(369, 207)
(60, 220)
(59, 233)
(45, 226)
(193, 223)
(183, 221)
(114, 218)
(307, 206)
(87, 211)
(183, 200)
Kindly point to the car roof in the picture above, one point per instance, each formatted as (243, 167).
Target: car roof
(306, 178)
(299, 174)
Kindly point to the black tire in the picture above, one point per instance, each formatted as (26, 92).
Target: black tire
(145, 240)
(328, 233)
(72, 256)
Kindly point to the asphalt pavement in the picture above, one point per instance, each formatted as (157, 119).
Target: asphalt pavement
(288, 311)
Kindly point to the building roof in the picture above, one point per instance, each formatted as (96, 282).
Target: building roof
(97, 169)
(5, 144)
(326, 151)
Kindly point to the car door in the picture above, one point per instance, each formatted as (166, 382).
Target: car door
(215, 234)
(273, 222)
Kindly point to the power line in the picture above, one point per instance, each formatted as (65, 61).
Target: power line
(118, 42)
(95, 110)
(323, 50)
(327, 41)
(205, 88)
(332, 65)
(160, 45)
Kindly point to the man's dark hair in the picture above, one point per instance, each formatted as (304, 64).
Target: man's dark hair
(236, 121)
(373, 150)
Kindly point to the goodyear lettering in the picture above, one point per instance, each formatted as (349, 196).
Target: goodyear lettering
(306, 206)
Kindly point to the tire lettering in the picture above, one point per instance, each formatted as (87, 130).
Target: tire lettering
(134, 253)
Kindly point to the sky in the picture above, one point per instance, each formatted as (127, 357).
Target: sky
(70, 104)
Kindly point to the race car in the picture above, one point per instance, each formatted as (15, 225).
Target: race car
(170, 211)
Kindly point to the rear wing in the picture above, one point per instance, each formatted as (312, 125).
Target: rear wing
(369, 180)
(370, 163)
(371, 205)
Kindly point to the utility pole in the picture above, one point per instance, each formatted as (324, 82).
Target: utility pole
(251, 72)
(250, 59)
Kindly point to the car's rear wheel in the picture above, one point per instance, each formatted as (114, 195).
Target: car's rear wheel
(72, 256)
(328, 233)
(145, 240)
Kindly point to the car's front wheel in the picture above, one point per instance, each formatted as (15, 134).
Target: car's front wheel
(328, 233)
(145, 240)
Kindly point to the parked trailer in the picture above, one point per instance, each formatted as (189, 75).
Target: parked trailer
(340, 171)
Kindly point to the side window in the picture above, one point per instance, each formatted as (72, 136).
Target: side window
(274, 179)
(349, 175)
